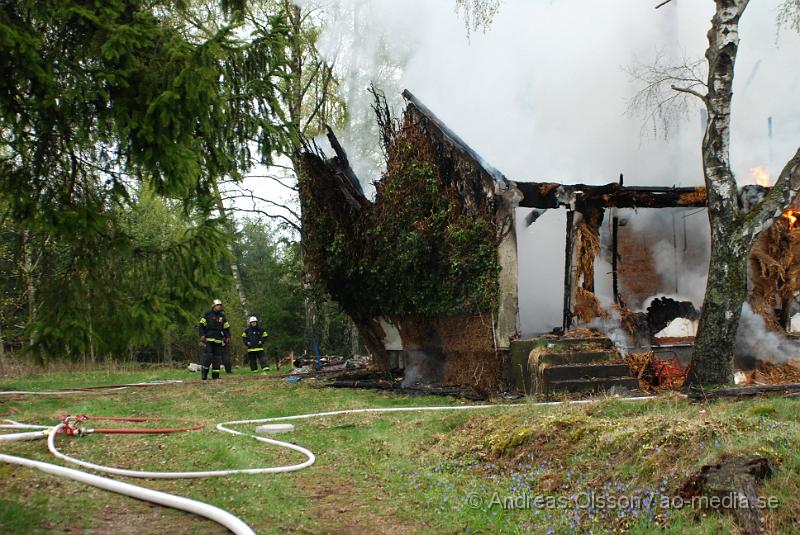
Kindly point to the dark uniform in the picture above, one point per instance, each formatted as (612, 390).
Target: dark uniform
(254, 338)
(216, 330)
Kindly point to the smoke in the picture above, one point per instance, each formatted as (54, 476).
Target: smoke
(422, 367)
(753, 339)
(611, 326)
(679, 242)
(542, 95)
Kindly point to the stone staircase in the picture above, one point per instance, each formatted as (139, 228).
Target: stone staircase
(569, 365)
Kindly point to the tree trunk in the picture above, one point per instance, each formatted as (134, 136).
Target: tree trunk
(237, 278)
(167, 347)
(354, 336)
(712, 357)
(294, 104)
(2, 351)
(312, 323)
(726, 291)
(30, 285)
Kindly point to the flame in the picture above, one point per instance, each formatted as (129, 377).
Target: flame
(792, 216)
(760, 175)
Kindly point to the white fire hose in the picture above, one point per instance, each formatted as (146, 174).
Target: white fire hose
(134, 491)
(101, 389)
(224, 518)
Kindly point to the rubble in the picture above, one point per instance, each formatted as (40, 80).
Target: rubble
(663, 311)
(382, 381)
(329, 364)
(583, 332)
(679, 328)
(656, 374)
(767, 373)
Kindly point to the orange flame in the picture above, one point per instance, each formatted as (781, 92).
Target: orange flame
(792, 216)
(760, 175)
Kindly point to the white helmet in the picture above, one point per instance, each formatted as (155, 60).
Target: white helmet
(252, 319)
(217, 302)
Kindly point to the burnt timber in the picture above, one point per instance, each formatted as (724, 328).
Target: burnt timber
(580, 197)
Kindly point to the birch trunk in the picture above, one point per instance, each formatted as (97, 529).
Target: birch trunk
(712, 358)
(294, 102)
(732, 231)
(30, 284)
(237, 278)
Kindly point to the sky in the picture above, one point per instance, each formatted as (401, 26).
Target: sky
(543, 94)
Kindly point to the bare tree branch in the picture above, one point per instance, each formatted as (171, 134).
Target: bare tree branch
(267, 214)
(665, 96)
(789, 15)
(276, 179)
(256, 199)
(245, 193)
(477, 14)
(690, 91)
(322, 100)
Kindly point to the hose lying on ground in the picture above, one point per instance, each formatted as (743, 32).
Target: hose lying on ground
(134, 491)
(86, 389)
(226, 519)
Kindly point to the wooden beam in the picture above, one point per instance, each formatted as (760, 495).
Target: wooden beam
(615, 256)
(698, 394)
(554, 195)
(569, 271)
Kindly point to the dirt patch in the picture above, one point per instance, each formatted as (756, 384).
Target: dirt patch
(362, 508)
(142, 519)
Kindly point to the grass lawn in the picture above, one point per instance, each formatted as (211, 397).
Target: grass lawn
(442, 472)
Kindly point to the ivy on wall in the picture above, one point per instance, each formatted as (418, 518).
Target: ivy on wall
(421, 249)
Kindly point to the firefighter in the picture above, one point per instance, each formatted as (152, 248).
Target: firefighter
(215, 334)
(253, 338)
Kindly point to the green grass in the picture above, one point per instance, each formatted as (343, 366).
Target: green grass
(406, 472)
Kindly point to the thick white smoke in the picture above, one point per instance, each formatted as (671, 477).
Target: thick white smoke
(679, 241)
(753, 339)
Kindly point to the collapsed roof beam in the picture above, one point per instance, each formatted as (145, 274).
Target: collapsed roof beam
(544, 195)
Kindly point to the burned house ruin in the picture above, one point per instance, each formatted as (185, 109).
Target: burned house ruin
(428, 271)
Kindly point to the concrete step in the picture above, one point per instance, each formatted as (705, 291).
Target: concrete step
(585, 371)
(525, 373)
(578, 344)
(563, 358)
(593, 385)
(560, 344)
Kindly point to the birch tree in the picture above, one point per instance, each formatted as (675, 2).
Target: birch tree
(733, 230)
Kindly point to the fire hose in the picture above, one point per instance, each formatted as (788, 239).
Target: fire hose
(85, 389)
(70, 425)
